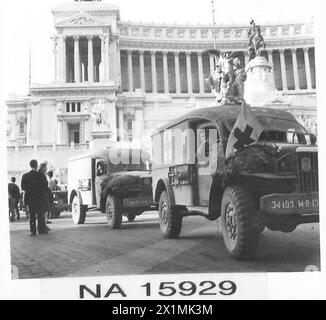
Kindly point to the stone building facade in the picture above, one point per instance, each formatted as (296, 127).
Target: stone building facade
(118, 81)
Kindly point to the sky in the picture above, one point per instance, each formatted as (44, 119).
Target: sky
(25, 23)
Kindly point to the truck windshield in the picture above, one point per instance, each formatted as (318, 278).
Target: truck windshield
(280, 130)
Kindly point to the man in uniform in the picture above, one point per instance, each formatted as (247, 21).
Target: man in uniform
(35, 186)
(13, 195)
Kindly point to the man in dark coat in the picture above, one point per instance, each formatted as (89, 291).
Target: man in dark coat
(14, 196)
(35, 186)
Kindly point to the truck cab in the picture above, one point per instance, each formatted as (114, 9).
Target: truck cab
(273, 183)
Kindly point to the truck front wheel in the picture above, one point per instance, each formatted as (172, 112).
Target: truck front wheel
(78, 211)
(238, 222)
(170, 219)
(114, 211)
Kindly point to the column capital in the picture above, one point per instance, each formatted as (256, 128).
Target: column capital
(90, 37)
(141, 52)
(165, 53)
(281, 50)
(269, 51)
(305, 49)
(294, 50)
(176, 53)
(75, 37)
(153, 52)
(188, 53)
(129, 51)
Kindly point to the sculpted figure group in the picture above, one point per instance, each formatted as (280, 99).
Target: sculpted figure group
(227, 80)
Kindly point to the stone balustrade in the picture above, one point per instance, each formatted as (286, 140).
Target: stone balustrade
(205, 32)
(48, 147)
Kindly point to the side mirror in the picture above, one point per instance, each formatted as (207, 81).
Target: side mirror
(313, 138)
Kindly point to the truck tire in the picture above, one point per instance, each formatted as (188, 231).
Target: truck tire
(131, 216)
(238, 214)
(170, 219)
(78, 211)
(113, 211)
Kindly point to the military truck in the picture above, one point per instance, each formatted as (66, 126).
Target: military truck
(272, 183)
(115, 180)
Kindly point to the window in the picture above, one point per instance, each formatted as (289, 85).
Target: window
(21, 128)
(73, 107)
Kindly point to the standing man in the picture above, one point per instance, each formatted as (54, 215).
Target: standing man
(35, 186)
(13, 195)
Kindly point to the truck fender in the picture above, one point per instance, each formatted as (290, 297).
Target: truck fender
(215, 197)
(73, 193)
(164, 184)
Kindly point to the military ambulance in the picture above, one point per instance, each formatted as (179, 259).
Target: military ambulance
(272, 183)
(115, 180)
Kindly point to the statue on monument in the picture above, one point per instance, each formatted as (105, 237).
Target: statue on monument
(227, 80)
(99, 116)
(256, 41)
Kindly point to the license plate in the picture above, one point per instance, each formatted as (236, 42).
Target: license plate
(137, 202)
(290, 203)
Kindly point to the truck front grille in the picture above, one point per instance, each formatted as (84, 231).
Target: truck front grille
(308, 171)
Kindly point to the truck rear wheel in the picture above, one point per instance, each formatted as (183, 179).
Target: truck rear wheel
(170, 219)
(78, 211)
(114, 211)
(238, 214)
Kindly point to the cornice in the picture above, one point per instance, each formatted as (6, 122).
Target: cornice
(170, 33)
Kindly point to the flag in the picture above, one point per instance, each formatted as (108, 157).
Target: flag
(245, 131)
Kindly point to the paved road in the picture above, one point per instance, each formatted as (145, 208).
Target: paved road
(138, 248)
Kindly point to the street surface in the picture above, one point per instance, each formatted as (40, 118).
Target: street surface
(138, 248)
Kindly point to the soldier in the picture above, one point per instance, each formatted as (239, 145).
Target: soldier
(13, 196)
(35, 186)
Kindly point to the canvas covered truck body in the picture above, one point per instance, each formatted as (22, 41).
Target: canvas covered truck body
(272, 183)
(117, 185)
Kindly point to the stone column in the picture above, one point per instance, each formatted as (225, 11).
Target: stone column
(139, 123)
(189, 74)
(142, 71)
(102, 63)
(55, 55)
(295, 69)
(200, 73)
(106, 58)
(90, 71)
(121, 127)
(76, 59)
(177, 72)
(62, 59)
(130, 79)
(307, 67)
(270, 60)
(283, 71)
(104, 66)
(246, 57)
(28, 126)
(165, 72)
(59, 132)
(211, 64)
(154, 81)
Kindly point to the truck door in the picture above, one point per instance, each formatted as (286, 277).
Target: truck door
(207, 136)
(100, 172)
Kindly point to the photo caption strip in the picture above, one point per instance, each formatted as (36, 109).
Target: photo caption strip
(163, 287)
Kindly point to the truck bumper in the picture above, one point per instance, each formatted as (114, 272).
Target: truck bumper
(292, 203)
(137, 202)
